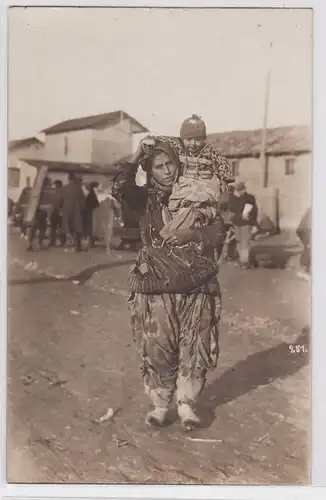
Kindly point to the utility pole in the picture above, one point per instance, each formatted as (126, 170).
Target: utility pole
(263, 152)
(263, 155)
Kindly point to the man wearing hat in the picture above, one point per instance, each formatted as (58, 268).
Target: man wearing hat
(243, 208)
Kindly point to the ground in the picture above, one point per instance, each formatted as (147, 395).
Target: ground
(71, 357)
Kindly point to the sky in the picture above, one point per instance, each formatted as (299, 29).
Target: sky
(159, 65)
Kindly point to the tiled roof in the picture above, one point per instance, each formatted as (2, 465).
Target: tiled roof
(246, 143)
(23, 142)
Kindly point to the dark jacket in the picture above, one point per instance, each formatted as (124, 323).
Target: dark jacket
(91, 201)
(10, 206)
(56, 205)
(72, 204)
(304, 229)
(236, 206)
(148, 203)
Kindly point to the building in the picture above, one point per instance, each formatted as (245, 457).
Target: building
(89, 145)
(287, 170)
(100, 139)
(20, 173)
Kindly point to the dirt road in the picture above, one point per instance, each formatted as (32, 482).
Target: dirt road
(71, 357)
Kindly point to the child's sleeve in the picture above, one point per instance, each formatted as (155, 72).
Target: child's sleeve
(222, 167)
(173, 141)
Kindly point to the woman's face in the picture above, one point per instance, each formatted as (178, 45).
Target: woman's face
(163, 169)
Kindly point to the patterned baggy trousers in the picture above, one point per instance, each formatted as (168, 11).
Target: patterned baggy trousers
(177, 339)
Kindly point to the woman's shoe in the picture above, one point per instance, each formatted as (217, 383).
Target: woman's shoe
(156, 417)
(189, 419)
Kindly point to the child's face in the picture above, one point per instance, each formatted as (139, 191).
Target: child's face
(202, 172)
(205, 172)
(193, 146)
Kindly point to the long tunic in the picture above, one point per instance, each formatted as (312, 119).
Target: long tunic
(176, 334)
(72, 204)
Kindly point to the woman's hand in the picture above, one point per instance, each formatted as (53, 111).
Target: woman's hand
(181, 237)
(144, 148)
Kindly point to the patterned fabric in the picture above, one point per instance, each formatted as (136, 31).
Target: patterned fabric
(192, 201)
(221, 167)
(149, 204)
(171, 269)
(177, 340)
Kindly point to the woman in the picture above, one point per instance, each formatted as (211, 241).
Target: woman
(177, 333)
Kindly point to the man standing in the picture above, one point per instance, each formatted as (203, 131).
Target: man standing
(39, 225)
(56, 217)
(304, 233)
(73, 205)
(244, 211)
(91, 203)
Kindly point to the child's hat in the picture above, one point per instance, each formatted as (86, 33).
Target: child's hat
(193, 128)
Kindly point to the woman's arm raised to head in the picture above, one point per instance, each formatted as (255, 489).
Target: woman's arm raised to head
(125, 187)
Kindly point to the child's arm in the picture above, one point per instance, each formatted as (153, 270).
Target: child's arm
(209, 236)
(172, 141)
(222, 168)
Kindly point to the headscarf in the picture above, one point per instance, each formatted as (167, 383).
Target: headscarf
(146, 164)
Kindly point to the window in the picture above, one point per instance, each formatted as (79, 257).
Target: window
(28, 182)
(235, 164)
(13, 177)
(289, 166)
(66, 146)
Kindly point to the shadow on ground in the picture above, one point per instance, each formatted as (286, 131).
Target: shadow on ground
(259, 369)
(81, 277)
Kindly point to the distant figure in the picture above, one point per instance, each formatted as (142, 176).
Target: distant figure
(39, 226)
(10, 206)
(243, 208)
(56, 217)
(304, 233)
(73, 204)
(47, 182)
(91, 203)
(224, 206)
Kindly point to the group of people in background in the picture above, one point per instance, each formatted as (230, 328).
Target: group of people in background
(70, 215)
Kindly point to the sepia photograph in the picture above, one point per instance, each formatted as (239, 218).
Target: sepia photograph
(159, 245)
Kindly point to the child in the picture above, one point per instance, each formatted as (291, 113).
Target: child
(194, 199)
(194, 151)
(162, 265)
(203, 174)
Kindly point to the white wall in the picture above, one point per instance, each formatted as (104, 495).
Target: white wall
(32, 150)
(79, 146)
(294, 190)
(112, 143)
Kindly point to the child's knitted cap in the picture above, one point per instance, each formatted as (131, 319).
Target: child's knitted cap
(193, 128)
